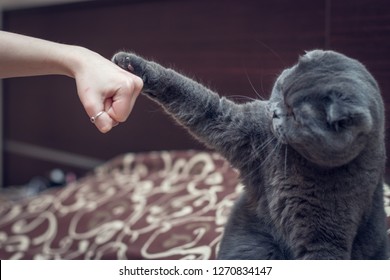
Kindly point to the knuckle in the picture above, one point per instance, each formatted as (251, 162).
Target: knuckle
(134, 85)
(138, 84)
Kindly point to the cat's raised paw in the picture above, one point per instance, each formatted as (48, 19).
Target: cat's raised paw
(129, 62)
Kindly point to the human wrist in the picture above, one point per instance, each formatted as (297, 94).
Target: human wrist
(72, 60)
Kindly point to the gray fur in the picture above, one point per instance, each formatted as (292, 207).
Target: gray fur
(311, 157)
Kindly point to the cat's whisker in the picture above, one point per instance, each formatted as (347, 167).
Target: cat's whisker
(252, 86)
(264, 145)
(257, 153)
(262, 82)
(272, 51)
(272, 152)
(275, 150)
(285, 162)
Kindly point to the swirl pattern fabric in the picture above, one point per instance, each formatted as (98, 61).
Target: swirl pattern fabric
(158, 205)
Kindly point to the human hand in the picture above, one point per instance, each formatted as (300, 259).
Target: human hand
(104, 87)
(107, 92)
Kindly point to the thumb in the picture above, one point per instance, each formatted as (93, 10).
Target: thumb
(103, 121)
(98, 116)
(120, 105)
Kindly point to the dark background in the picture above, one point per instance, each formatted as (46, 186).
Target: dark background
(237, 48)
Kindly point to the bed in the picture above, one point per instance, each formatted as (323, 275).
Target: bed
(154, 205)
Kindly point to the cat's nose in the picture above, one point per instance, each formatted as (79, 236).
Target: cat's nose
(276, 114)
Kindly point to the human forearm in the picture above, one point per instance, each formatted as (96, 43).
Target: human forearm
(26, 56)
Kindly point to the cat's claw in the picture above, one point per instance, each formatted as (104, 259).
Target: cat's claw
(128, 62)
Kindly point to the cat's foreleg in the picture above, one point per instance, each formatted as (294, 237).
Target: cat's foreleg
(246, 237)
(216, 121)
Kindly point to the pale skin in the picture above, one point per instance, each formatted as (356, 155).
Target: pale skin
(101, 85)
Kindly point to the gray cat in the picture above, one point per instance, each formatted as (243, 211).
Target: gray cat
(312, 157)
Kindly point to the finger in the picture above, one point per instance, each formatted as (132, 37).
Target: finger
(121, 104)
(108, 109)
(104, 122)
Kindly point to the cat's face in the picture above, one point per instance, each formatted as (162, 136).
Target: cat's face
(325, 107)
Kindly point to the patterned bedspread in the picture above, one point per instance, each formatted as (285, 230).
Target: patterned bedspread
(158, 205)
